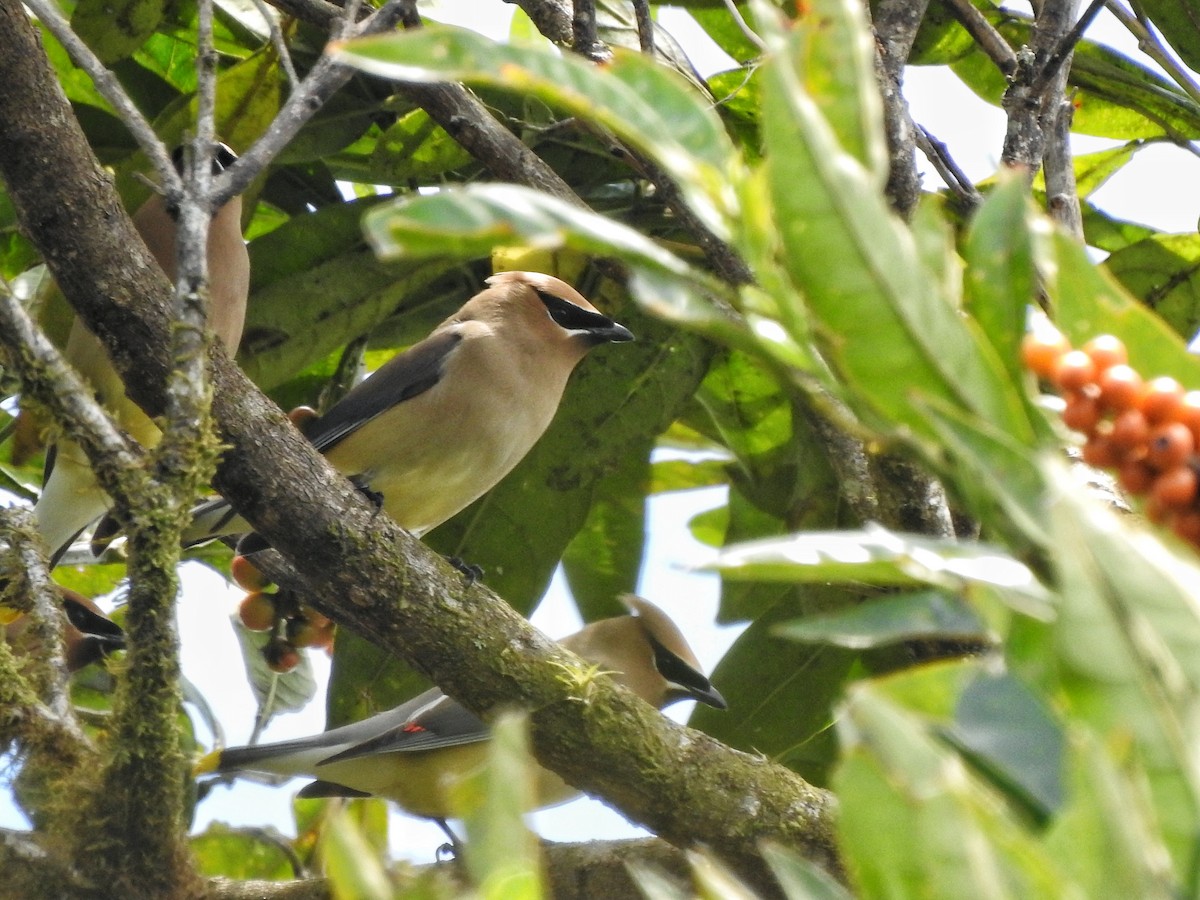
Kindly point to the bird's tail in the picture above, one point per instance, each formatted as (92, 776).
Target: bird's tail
(213, 519)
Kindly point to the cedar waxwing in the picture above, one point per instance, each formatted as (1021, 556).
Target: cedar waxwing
(440, 424)
(89, 635)
(406, 754)
(71, 499)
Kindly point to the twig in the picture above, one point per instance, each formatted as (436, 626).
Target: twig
(1067, 44)
(749, 33)
(1150, 44)
(939, 157)
(49, 379)
(645, 26)
(584, 39)
(112, 91)
(990, 40)
(277, 41)
(324, 79)
(27, 564)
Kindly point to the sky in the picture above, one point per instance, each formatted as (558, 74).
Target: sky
(1157, 188)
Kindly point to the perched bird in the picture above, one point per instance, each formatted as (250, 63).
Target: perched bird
(88, 634)
(440, 424)
(71, 499)
(407, 754)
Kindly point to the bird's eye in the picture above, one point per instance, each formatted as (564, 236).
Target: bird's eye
(568, 315)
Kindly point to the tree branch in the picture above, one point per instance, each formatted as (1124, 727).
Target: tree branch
(377, 579)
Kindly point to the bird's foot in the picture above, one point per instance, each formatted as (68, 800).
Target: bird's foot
(470, 572)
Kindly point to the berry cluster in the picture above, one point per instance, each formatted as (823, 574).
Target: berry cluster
(1148, 431)
(292, 624)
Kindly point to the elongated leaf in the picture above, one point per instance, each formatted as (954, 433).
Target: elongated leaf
(115, 28)
(888, 620)
(1087, 302)
(916, 823)
(642, 103)
(877, 556)
(1164, 273)
(1180, 25)
(897, 335)
(833, 53)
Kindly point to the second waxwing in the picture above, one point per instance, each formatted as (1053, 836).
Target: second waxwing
(71, 499)
(440, 424)
(411, 753)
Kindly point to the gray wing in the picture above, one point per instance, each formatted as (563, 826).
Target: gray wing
(346, 736)
(401, 378)
(444, 722)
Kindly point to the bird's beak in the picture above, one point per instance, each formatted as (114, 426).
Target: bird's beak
(707, 695)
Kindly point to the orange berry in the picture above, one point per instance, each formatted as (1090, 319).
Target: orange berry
(318, 619)
(1161, 399)
(1187, 525)
(1082, 412)
(1175, 488)
(1156, 512)
(257, 611)
(1135, 476)
(1189, 413)
(1170, 446)
(1075, 371)
(247, 576)
(301, 416)
(1130, 432)
(302, 633)
(1106, 351)
(1042, 349)
(281, 656)
(1100, 452)
(1120, 387)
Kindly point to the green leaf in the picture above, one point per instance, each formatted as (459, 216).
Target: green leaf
(115, 28)
(354, 868)
(781, 694)
(1007, 731)
(1104, 835)
(642, 103)
(1086, 302)
(799, 878)
(888, 620)
(274, 692)
(832, 51)
(914, 822)
(1001, 277)
(227, 852)
(1163, 272)
(1179, 24)
(886, 325)
(502, 853)
(879, 557)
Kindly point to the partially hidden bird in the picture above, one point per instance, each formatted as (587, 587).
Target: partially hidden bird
(71, 499)
(410, 754)
(441, 423)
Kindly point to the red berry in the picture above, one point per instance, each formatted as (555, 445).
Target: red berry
(1135, 477)
(247, 576)
(1187, 525)
(281, 656)
(1130, 432)
(1189, 413)
(1082, 412)
(1075, 371)
(1161, 400)
(1100, 452)
(1042, 349)
(1175, 488)
(257, 611)
(1120, 388)
(1170, 446)
(1106, 351)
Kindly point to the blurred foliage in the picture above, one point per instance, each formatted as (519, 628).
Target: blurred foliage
(1059, 762)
